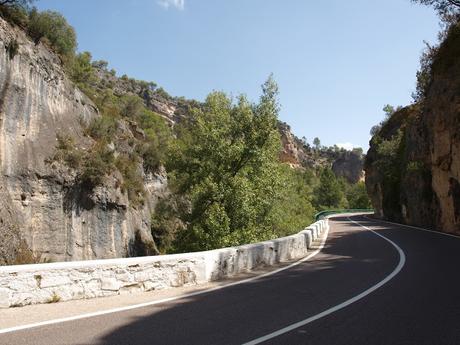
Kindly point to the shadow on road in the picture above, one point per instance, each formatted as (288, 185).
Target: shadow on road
(350, 262)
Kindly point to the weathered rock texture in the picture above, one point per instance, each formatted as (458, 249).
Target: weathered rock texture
(346, 164)
(43, 283)
(425, 188)
(349, 165)
(39, 202)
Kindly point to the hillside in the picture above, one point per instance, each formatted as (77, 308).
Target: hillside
(83, 157)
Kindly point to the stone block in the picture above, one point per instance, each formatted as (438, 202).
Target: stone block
(4, 298)
(54, 280)
(110, 284)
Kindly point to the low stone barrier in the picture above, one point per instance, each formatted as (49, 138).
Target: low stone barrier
(46, 283)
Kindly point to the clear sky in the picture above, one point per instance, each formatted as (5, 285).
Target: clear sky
(337, 62)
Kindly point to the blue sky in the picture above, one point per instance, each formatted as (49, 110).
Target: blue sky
(336, 62)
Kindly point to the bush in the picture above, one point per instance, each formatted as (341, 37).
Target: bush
(98, 163)
(158, 137)
(294, 210)
(66, 152)
(53, 27)
(357, 196)
(133, 182)
(329, 193)
(81, 70)
(102, 128)
(16, 12)
(225, 164)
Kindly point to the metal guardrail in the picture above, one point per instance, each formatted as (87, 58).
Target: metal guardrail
(322, 214)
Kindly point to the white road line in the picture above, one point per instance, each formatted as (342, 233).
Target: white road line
(413, 227)
(402, 260)
(147, 304)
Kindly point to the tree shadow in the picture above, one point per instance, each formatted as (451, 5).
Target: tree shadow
(350, 262)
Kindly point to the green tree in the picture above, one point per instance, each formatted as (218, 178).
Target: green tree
(53, 27)
(357, 196)
(329, 193)
(441, 6)
(20, 3)
(81, 69)
(225, 164)
(293, 210)
(317, 143)
(16, 11)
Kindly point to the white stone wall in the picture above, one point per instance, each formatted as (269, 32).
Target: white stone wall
(44, 283)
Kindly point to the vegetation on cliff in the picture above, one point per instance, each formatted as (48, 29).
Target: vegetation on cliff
(227, 183)
(411, 172)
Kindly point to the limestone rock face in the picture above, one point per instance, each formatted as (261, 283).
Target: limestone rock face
(39, 202)
(349, 165)
(346, 164)
(426, 186)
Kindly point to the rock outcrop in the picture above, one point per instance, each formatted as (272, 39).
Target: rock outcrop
(40, 203)
(299, 154)
(420, 183)
(349, 165)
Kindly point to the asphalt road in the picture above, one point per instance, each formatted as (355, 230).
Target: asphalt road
(373, 292)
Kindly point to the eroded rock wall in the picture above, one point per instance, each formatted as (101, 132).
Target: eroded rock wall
(40, 202)
(426, 186)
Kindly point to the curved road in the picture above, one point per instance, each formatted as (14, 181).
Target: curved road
(391, 285)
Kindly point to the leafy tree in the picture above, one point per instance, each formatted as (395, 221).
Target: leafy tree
(329, 193)
(16, 11)
(100, 64)
(81, 70)
(98, 163)
(442, 6)
(53, 27)
(158, 135)
(20, 3)
(424, 73)
(357, 196)
(388, 110)
(131, 106)
(293, 209)
(317, 143)
(225, 163)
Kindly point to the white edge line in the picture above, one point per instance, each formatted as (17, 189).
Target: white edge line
(412, 227)
(402, 260)
(147, 304)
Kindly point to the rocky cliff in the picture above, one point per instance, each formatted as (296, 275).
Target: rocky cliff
(40, 203)
(413, 164)
(346, 164)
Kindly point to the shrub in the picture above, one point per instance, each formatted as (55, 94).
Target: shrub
(133, 182)
(53, 27)
(102, 128)
(158, 136)
(16, 12)
(131, 106)
(329, 193)
(98, 163)
(357, 196)
(81, 70)
(66, 152)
